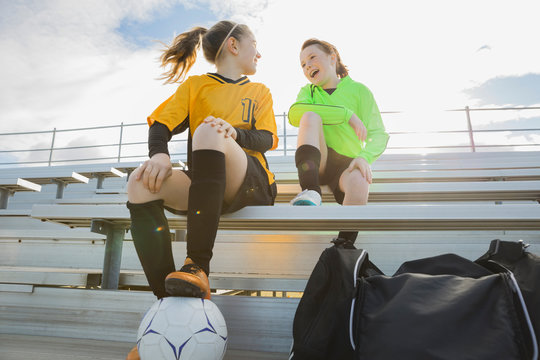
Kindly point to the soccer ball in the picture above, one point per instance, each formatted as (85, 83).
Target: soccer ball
(182, 328)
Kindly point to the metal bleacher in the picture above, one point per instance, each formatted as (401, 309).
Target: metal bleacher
(58, 255)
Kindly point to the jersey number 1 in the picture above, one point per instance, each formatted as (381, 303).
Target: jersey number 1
(247, 110)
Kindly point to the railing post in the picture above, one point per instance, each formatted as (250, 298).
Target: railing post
(120, 142)
(52, 146)
(469, 125)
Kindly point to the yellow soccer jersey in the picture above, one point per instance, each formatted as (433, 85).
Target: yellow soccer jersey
(243, 104)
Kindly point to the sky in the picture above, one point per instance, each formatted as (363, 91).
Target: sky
(70, 64)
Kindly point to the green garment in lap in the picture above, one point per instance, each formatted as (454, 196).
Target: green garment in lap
(336, 110)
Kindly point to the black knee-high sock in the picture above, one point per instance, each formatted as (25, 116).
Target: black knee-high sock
(348, 235)
(204, 205)
(308, 161)
(152, 240)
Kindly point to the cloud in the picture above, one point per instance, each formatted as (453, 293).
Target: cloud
(65, 63)
(484, 48)
(508, 91)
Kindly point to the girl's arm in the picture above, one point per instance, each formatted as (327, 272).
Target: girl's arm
(263, 134)
(377, 137)
(331, 114)
(158, 137)
(171, 117)
(258, 140)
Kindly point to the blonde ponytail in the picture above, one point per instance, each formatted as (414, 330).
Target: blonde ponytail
(181, 54)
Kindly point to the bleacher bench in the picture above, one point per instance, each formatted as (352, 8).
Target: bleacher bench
(9, 186)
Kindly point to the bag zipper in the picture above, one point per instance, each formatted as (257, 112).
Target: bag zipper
(355, 283)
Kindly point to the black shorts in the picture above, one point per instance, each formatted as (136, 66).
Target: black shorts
(255, 189)
(336, 164)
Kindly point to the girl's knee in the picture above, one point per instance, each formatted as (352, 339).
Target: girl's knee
(355, 187)
(311, 118)
(206, 131)
(206, 136)
(134, 186)
(136, 191)
(355, 179)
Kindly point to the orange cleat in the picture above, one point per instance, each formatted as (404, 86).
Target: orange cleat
(133, 354)
(189, 281)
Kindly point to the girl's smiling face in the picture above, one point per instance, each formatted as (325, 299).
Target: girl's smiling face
(248, 55)
(318, 67)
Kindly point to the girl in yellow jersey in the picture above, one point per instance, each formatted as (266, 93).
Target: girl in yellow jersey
(230, 124)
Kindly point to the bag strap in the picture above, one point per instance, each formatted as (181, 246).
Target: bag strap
(510, 250)
(343, 243)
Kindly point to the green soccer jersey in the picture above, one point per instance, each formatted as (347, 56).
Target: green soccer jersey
(336, 110)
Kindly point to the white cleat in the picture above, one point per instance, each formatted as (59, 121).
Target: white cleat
(307, 198)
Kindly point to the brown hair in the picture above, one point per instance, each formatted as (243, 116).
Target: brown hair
(182, 53)
(330, 49)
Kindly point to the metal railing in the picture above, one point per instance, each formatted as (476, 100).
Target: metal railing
(285, 132)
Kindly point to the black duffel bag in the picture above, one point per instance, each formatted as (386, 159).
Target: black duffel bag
(444, 307)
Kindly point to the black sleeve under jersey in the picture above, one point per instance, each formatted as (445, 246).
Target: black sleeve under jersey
(258, 140)
(158, 137)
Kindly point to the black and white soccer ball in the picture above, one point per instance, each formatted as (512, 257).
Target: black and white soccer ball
(182, 328)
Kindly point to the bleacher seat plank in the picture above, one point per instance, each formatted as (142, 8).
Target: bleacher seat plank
(16, 288)
(254, 282)
(435, 175)
(15, 212)
(48, 175)
(18, 184)
(380, 192)
(438, 156)
(436, 191)
(274, 257)
(37, 234)
(91, 277)
(49, 276)
(432, 165)
(253, 323)
(283, 217)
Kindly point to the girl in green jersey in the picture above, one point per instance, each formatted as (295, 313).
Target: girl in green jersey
(340, 130)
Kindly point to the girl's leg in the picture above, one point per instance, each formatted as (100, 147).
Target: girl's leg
(356, 190)
(211, 184)
(355, 187)
(218, 170)
(149, 227)
(310, 158)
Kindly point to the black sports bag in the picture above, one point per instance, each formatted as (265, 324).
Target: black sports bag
(444, 307)
(525, 266)
(320, 330)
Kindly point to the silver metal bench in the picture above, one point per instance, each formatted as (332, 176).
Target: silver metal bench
(8, 186)
(113, 220)
(48, 175)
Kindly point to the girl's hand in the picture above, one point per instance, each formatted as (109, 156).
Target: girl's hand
(154, 171)
(221, 126)
(362, 165)
(358, 127)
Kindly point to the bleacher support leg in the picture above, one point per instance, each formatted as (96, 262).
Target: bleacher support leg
(4, 196)
(100, 179)
(60, 186)
(113, 252)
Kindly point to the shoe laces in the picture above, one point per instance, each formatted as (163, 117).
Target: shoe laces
(191, 268)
